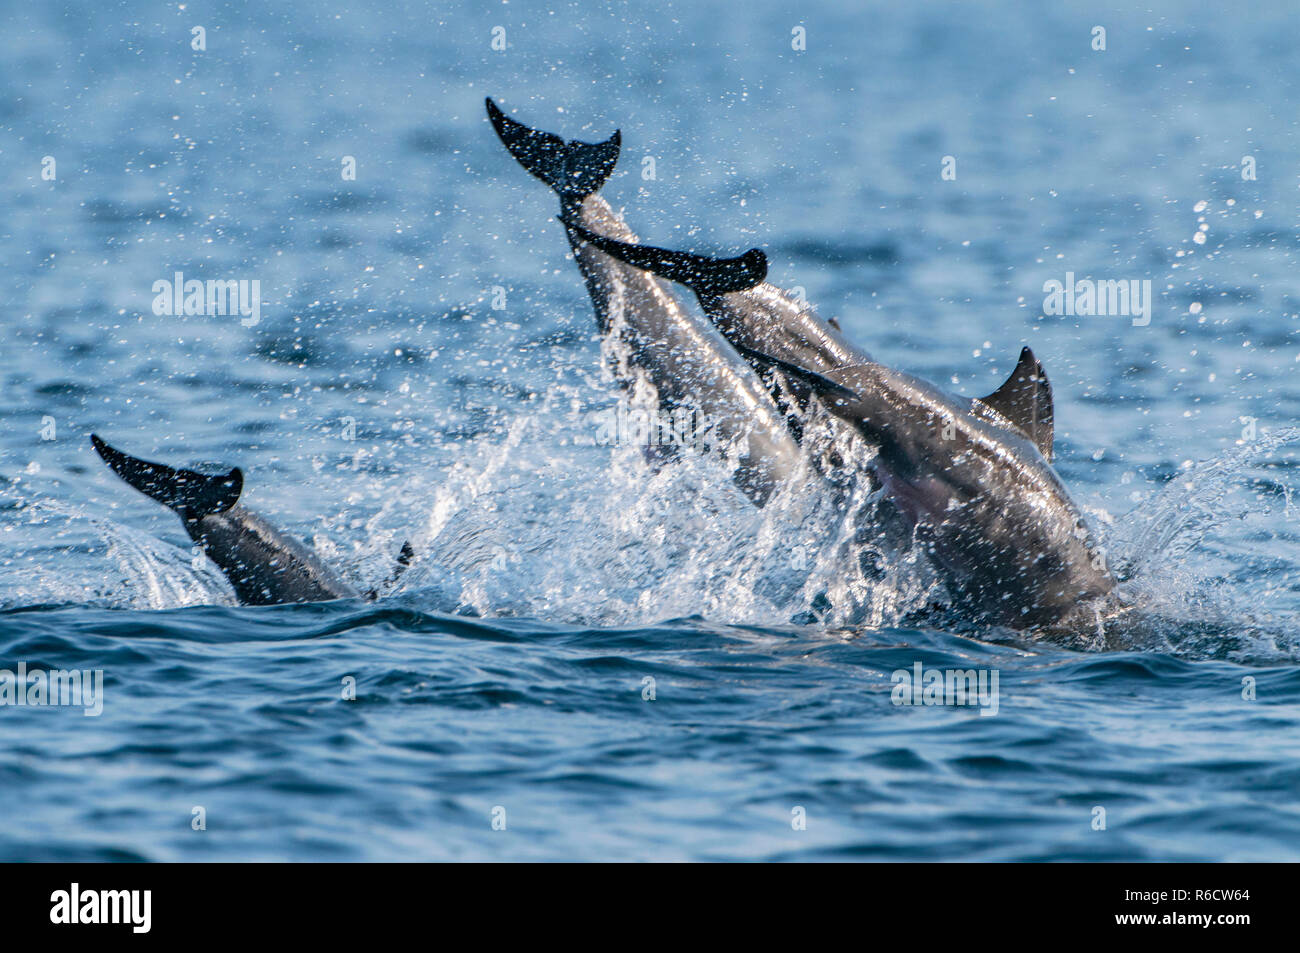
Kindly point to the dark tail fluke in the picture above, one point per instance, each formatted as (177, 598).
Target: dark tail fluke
(702, 274)
(192, 495)
(574, 169)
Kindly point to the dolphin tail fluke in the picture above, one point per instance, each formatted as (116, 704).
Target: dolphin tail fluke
(574, 169)
(192, 495)
(704, 275)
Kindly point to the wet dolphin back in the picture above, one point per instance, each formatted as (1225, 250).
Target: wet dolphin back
(262, 564)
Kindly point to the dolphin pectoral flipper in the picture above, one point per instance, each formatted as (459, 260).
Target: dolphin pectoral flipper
(193, 495)
(705, 275)
(820, 385)
(575, 169)
(1025, 399)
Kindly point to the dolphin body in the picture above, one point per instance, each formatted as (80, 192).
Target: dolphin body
(971, 477)
(688, 361)
(263, 565)
(751, 313)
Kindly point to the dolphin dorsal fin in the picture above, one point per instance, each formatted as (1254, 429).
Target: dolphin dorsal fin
(1026, 400)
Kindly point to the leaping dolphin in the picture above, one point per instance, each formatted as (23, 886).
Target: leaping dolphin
(689, 363)
(972, 477)
(750, 312)
(264, 566)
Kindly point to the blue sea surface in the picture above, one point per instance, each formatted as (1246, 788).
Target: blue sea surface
(596, 655)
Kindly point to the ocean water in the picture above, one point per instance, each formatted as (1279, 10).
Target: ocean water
(596, 656)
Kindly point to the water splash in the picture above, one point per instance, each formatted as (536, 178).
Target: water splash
(142, 572)
(543, 522)
(1199, 498)
(1192, 594)
(548, 524)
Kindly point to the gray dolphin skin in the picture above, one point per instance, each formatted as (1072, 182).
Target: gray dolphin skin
(765, 321)
(263, 565)
(972, 477)
(686, 359)
(749, 311)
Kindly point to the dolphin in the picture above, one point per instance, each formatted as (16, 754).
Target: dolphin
(972, 478)
(765, 320)
(748, 309)
(688, 361)
(263, 565)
